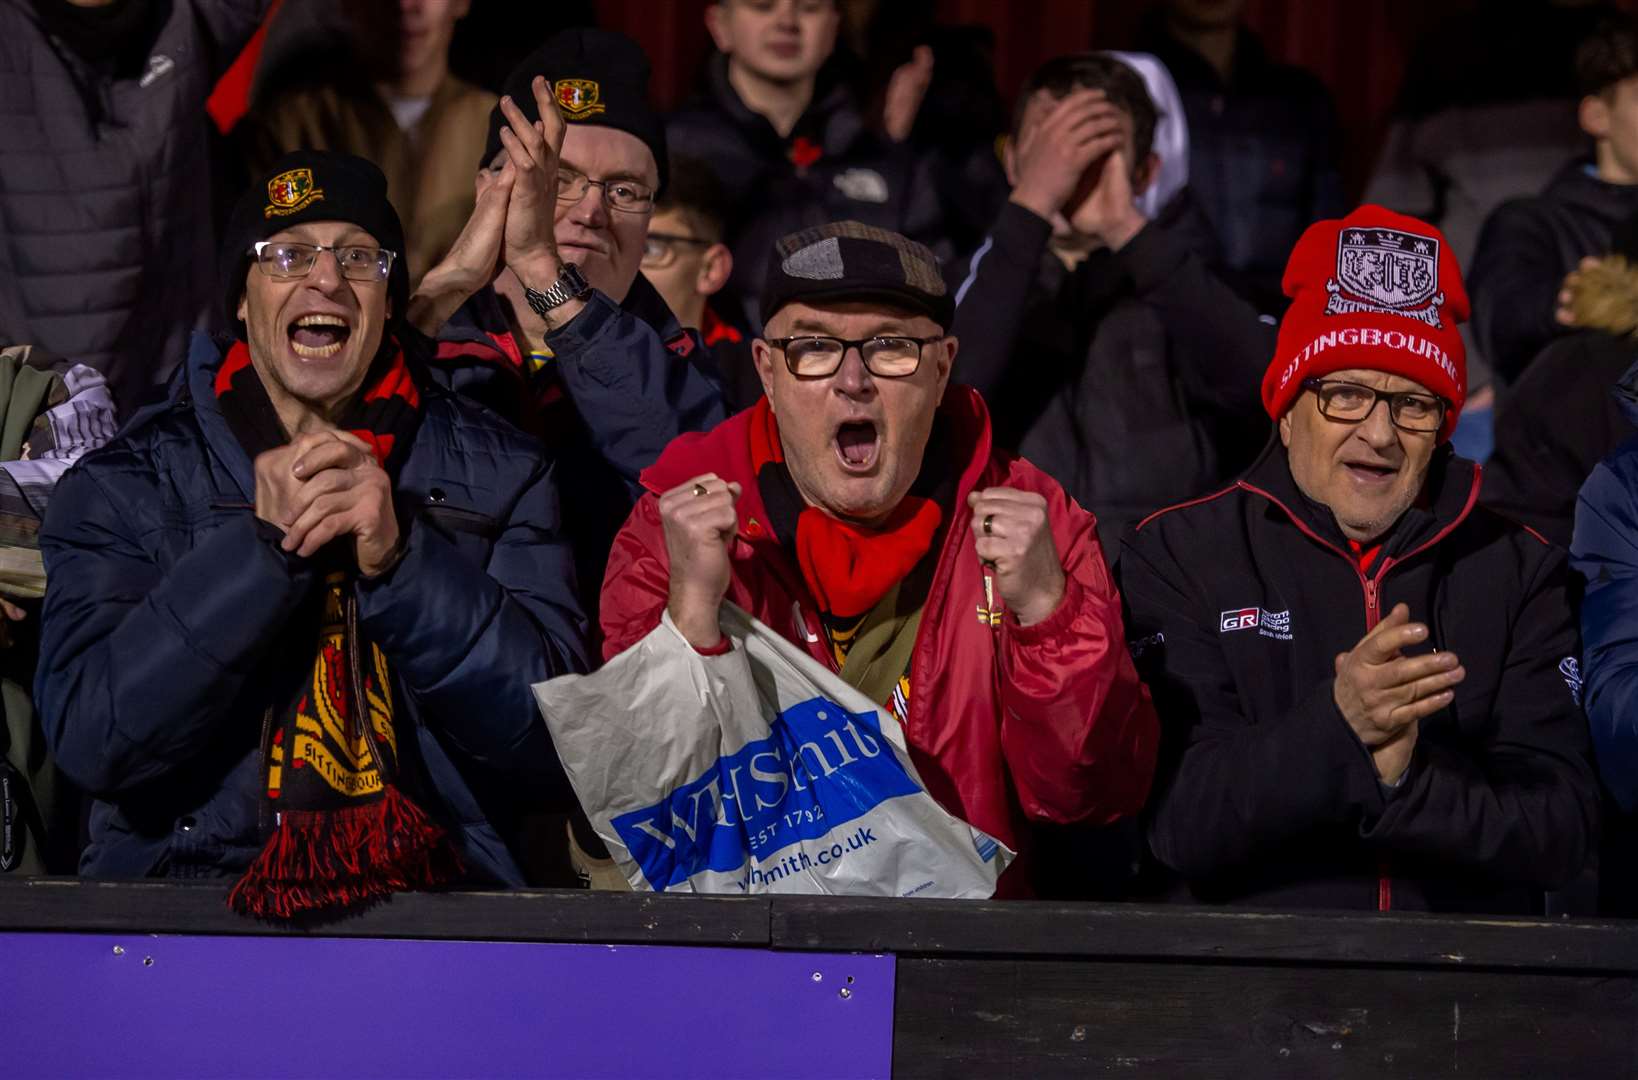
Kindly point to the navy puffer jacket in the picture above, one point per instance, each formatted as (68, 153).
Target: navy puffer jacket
(166, 633)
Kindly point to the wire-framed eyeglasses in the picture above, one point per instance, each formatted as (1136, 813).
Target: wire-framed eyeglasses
(626, 196)
(285, 259)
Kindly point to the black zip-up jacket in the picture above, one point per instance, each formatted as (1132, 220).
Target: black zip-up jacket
(1132, 381)
(1238, 605)
(832, 167)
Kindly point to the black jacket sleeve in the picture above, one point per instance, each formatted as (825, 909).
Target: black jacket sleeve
(1217, 339)
(633, 393)
(1229, 789)
(994, 295)
(1514, 283)
(1522, 806)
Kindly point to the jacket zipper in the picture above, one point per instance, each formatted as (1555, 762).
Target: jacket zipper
(361, 704)
(1373, 611)
(265, 818)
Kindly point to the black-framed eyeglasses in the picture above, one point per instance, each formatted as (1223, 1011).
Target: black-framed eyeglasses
(285, 259)
(886, 356)
(626, 196)
(1350, 403)
(660, 249)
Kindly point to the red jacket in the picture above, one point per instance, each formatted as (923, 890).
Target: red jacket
(1007, 724)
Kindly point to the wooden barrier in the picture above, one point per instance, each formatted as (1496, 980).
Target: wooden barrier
(1038, 989)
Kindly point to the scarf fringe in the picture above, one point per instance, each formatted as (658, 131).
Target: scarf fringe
(345, 858)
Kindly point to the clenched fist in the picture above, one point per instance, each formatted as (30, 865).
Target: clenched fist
(699, 522)
(1013, 536)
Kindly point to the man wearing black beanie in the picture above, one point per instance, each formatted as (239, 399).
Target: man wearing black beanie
(294, 614)
(540, 310)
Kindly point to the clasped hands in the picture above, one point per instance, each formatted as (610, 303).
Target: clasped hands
(325, 485)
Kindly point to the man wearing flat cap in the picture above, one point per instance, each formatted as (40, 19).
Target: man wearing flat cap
(540, 310)
(1368, 683)
(858, 509)
(293, 613)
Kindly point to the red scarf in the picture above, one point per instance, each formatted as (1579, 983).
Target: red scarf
(848, 568)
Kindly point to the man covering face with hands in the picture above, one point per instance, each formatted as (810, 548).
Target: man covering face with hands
(1369, 684)
(859, 510)
(293, 615)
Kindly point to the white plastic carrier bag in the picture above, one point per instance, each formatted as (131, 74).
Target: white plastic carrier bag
(752, 772)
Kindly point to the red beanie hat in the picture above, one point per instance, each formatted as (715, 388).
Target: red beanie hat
(1374, 290)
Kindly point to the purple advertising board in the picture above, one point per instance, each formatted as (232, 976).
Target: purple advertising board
(134, 1005)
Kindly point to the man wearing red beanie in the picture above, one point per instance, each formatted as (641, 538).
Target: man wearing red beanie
(1368, 685)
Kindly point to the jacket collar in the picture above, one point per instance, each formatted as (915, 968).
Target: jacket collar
(726, 451)
(198, 392)
(830, 117)
(1448, 496)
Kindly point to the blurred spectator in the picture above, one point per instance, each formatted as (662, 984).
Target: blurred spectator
(292, 618)
(54, 411)
(790, 141)
(390, 99)
(1564, 415)
(1110, 356)
(1366, 682)
(934, 85)
(1263, 139)
(310, 38)
(686, 260)
(1486, 114)
(860, 510)
(106, 257)
(1529, 245)
(539, 308)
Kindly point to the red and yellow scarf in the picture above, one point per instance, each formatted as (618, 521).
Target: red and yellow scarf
(343, 831)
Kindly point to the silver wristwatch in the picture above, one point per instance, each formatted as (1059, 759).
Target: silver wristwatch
(570, 285)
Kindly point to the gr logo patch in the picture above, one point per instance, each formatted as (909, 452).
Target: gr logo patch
(1269, 624)
(290, 192)
(579, 98)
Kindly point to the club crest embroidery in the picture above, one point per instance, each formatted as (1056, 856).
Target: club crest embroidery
(290, 192)
(579, 98)
(1386, 271)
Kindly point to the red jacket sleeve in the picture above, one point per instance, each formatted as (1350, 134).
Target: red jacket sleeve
(1078, 728)
(637, 583)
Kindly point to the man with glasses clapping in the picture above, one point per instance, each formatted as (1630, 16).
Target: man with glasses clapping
(539, 310)
(293, 613)
(1368, 685)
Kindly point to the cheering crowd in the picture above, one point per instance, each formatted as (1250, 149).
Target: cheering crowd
(1108, 451)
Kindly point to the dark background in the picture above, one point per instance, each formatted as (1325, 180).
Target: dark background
(1360, 48)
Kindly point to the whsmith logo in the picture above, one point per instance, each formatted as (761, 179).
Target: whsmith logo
(820, 768)
(1274, 624)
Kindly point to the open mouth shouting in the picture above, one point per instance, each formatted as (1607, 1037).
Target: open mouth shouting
(858, 446)
(319, 337)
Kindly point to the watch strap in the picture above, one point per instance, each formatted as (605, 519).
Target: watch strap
(570, 285)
